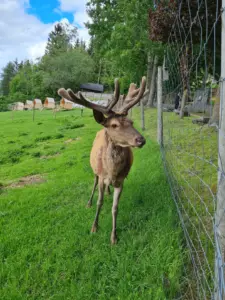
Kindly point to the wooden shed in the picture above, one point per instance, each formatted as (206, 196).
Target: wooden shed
(28, 104)
(18, 106)
(49, 103)
(66, 104)
(37, 104)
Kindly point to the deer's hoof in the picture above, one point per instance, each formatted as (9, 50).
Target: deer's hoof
(94, 228)
(113, 239)
(89, 204)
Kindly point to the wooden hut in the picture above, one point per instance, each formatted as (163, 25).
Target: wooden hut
(66, 104)
(28, 105)
(18, 106)
(49, 103)
(37, 104)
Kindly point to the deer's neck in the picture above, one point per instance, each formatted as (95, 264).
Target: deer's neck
(118, 161)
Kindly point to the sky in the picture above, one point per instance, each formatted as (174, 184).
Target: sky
(25, 25)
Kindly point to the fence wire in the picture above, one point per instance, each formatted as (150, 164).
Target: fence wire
(191, 140)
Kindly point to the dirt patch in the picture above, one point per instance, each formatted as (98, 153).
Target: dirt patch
(49, 156)
(71, 140)
(28, 180)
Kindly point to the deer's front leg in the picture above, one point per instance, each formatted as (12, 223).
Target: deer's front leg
(101, 188)
(116, 198)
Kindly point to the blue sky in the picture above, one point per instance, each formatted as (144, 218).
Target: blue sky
(24, 34)
(48, 11)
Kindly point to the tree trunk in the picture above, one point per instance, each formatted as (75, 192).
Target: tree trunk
(153, 83)
(183, 101)
(214, 120)
(149, 77)
(142, 116)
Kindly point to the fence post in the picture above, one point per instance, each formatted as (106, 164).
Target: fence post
(33, 111)
(220, 209)
(153, 83)
(142, 115)
(159, 107)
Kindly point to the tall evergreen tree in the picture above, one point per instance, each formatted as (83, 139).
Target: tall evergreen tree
(7, 75)
(60, 39)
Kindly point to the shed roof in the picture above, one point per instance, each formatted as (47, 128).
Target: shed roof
(30, 102)
(50, 100)
(94, 87)
(73, 104)
(67, 101)
(38, 101)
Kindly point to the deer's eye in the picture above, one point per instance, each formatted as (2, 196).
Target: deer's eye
(114, 125)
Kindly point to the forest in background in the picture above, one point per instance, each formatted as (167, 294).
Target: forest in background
(126, 37)
(119, 46)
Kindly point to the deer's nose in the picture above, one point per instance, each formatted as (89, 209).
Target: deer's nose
(140, 141)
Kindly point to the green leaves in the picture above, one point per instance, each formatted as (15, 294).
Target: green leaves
(119, 31)
(68, 69)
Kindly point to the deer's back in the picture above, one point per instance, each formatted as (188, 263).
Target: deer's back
(110, 162)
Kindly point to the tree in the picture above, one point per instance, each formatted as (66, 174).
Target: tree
(60, 39)
(8, 73)
(68, 70)
(183, 26)
(119, 31)
(77, 44)
(27, 84)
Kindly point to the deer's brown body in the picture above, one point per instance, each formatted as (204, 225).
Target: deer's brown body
(110, 162)
(111, 155)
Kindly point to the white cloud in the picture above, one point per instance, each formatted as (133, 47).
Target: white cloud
(36, 50)
(79, 19)
(78, 8)
(72, 5)
(24, 36)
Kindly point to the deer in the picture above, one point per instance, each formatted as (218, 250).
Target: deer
(111, 156)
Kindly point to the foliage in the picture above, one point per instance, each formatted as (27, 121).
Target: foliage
(186, 26)
(60, 39)
(27, 84)
(9, 71)
(68, 69)
(120, 43)
(3, 104)
(163, 20)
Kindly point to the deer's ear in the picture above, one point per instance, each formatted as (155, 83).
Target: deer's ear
(99, 117)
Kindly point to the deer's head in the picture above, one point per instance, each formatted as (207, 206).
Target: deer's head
(118, 127)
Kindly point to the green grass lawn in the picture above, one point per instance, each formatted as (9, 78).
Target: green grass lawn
(46, 249)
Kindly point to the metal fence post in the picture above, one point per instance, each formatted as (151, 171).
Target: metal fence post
(159, 107)
(220, 209)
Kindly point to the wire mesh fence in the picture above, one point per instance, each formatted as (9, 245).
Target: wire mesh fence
(193, 132)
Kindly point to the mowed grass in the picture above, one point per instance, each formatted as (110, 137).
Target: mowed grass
(46, 249)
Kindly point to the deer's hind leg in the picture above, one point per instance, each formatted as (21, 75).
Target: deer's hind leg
(89, 204)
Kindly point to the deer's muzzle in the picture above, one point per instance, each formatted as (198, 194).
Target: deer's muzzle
(140, 141)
